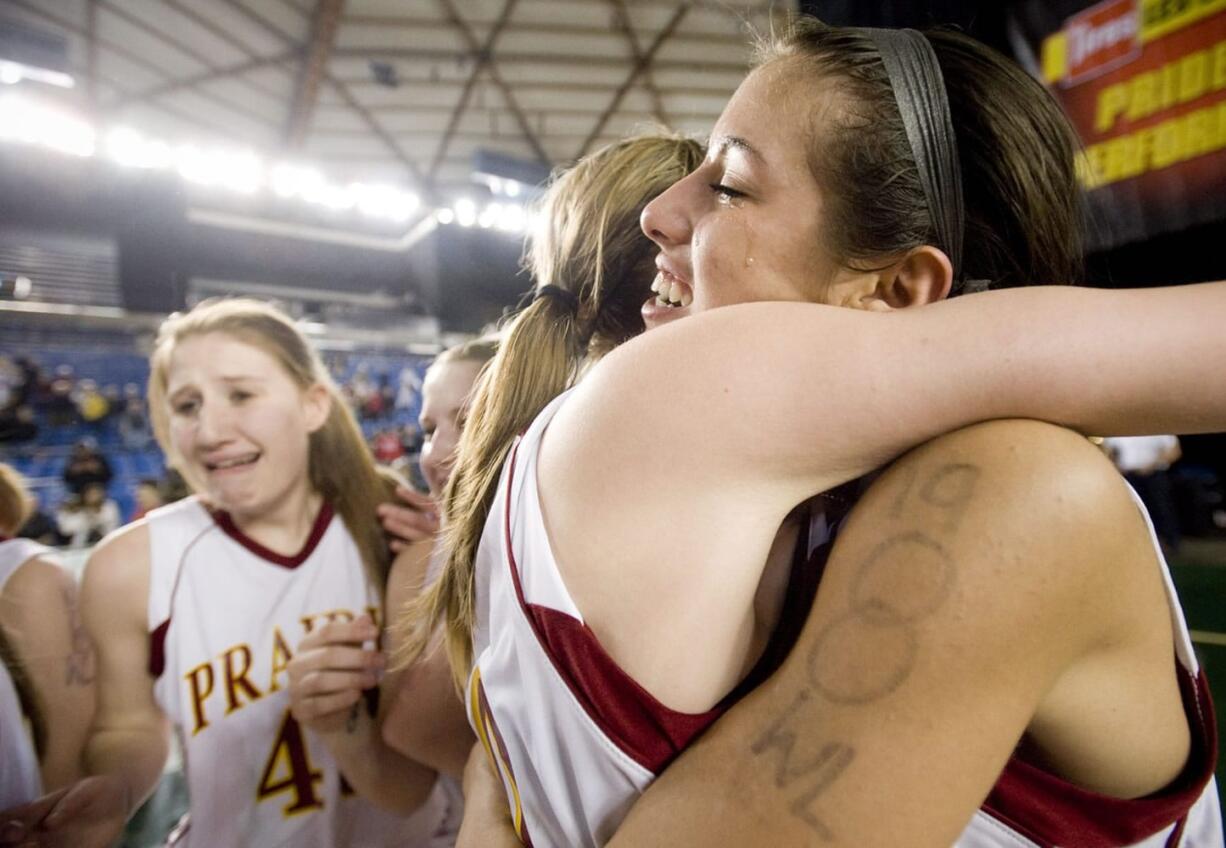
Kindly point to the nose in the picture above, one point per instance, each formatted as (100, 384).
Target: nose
(664, 220)
(214, 425)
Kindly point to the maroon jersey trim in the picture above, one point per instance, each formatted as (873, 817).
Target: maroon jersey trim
(322, 520)
(1051, 811)
(646, 730)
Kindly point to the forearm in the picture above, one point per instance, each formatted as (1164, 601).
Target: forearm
(135, 757)
(378, 773)
(1117, 362)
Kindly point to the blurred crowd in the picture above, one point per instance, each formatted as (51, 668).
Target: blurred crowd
(87, 445)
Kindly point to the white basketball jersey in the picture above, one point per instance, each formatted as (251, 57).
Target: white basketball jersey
(576, 741)
(225, 615)
(20, 779)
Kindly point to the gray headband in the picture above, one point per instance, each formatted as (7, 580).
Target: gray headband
(919, 90)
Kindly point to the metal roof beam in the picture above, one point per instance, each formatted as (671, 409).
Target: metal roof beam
(639, 67)
(482, 54)
(739, 64)
(324, 23)
(346, 95)
(193, 81)
(622, 15)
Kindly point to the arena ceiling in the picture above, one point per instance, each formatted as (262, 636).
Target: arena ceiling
(401, 91)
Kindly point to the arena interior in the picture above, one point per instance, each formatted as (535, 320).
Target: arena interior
(371, 167)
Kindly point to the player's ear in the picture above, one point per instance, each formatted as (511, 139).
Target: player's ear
(316, 406)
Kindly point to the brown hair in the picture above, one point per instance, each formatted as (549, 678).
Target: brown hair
(479, 350)
(1017, 152)
(340, 467)
(15, 501)
(588, 243)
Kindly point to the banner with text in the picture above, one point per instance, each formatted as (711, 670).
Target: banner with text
(1144, 83)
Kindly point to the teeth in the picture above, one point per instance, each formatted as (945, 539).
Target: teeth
(687, 299)
(655, 284)
(230, 463)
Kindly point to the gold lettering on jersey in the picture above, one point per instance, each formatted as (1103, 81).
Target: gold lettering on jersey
(236, 679)
(237, 664)
(200, 681)
(281, 655)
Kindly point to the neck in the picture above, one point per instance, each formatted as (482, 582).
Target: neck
(286, 524)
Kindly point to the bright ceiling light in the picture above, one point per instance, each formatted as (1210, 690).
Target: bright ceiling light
(444, 216)
(489, 215)
(128, 147)
(290, 180)
(12, 73)
(465, 212)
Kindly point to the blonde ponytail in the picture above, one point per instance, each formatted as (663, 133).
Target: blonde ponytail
(588, 244)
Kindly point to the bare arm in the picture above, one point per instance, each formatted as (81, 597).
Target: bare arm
(330, 671)
(712, 428)
(127, 743)
(942, 622)
(40, 617)
(425, 719)
(130, 733)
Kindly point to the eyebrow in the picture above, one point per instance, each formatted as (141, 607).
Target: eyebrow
(240, 378)
(735, 141)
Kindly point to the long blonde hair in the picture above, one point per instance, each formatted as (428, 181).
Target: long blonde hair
(588, 242)
(340, 466)
(16, 504)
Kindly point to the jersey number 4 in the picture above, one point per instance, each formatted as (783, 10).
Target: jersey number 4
(289, 770)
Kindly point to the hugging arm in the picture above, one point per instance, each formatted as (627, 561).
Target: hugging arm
(926, 653)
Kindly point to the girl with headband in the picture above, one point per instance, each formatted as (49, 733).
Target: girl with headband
(996, 622)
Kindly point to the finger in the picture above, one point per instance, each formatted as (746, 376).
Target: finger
(350, 659)
(407, 525)
(326, 705)
(324, 683)
(415, 498)
(87, 798)
(342, 633)
(19, 820)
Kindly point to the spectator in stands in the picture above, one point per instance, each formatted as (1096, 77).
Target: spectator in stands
(10, 382)
(17, 425)
(387, 446)
(410, 386)
(134, 430)
(148, 497)
(86, 465)
(92, 405)
(41, 528)
(86, 518)
(31, 379)
(61, 409)
(1145, 462)
(362, 388)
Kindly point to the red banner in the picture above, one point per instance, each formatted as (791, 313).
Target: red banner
(1144, 83)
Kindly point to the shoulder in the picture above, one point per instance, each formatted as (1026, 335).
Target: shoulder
(117, 571)
(1017, 472)
(38, 595)
(1014, 506)
(38, 579)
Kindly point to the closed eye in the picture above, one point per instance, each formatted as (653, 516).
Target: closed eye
(726, 192)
